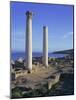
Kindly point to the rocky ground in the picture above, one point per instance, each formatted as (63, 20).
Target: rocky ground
(51, 81)
(56, 80)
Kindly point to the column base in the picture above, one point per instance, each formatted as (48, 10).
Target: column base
(45, 65)
(29, 71)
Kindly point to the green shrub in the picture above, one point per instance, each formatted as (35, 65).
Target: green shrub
(16, 93)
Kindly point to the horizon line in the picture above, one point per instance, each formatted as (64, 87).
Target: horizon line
(41, 51)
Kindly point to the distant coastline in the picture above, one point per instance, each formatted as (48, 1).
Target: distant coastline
(17, 55)
(70, 51)
(56, 54)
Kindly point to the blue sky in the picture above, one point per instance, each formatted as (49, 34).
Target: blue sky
(58, 18)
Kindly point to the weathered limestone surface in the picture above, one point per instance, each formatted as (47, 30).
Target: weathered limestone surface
(45, 46)
(53, 81)
(40, 76)
(29, 40)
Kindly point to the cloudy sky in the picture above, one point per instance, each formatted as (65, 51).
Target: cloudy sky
(58, 18)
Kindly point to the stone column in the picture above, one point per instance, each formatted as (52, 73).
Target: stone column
(29, 41)
(45, 46)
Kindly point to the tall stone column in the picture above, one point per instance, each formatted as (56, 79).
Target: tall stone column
(29, 41)
(45, 46)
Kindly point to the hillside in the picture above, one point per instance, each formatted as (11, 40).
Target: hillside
(70, 51)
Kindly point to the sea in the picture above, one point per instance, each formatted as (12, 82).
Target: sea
(17, 55)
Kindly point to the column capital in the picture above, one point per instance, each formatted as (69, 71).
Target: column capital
(45, 27)
(29, 14)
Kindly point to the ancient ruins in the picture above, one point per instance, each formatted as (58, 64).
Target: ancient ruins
(29, 42)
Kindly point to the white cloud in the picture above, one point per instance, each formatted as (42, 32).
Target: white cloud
(68, 34)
